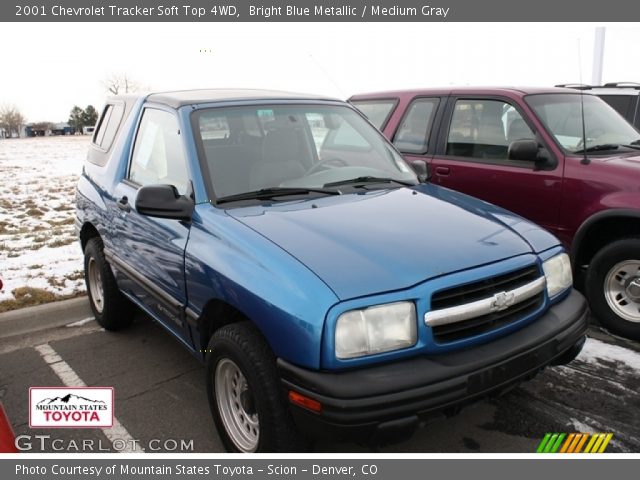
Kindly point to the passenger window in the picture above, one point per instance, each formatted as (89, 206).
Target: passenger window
(345, 136)
(158, 157)
(484, 129)
(413, 134)
(376, 111)
(331, 133)
(318, 128)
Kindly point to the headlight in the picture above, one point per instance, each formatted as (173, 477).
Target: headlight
(376, 329)
(557, 271)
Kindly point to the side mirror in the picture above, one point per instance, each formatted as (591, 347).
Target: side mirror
(525, 149)
(164, 201)
(422, 170)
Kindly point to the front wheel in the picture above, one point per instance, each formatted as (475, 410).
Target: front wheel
(245, 393)
(613, 287)
(110, 308)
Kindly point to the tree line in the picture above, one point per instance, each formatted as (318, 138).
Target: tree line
(79, 118)
(12, 120)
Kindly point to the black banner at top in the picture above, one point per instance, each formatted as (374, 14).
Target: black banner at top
(318, 11)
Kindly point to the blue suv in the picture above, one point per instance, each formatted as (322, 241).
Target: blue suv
(328, 288)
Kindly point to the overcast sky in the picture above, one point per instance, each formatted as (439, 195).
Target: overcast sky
(47, 68)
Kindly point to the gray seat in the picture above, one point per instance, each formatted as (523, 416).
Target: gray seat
(518, 130)
(281, 157)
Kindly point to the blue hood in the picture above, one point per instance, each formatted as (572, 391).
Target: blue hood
(385, 240)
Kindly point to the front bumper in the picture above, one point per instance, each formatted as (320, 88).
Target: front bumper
(388, 400)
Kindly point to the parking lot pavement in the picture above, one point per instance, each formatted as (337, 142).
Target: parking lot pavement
(160, 398)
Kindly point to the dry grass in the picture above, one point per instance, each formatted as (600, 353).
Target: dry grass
(26, 297)
(61, 242)
(37, 260)
(65, 221)
(30, 297)
(77, 275)
(35, 212)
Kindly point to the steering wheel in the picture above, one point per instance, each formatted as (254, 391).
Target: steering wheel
(323, 164)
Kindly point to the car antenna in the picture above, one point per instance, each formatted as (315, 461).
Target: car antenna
(326, 74)
(585, 159)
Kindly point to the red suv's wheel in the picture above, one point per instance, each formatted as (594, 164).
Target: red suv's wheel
(613, 287)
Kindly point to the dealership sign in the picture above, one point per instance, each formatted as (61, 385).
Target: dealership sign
(59, 407)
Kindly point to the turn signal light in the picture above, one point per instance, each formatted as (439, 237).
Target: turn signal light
(306, 402)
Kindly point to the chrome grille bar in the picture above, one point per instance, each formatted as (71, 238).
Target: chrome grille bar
(496, 303)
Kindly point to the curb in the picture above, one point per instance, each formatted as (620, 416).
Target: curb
(40, 317)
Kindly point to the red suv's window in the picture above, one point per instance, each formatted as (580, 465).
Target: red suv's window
(484, 129)
(413, 134)
(377, 111)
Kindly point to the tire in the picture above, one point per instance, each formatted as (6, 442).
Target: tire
(110, 308)
(245, 393)
(613, 287)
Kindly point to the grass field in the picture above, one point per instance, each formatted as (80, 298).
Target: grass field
(40, 259)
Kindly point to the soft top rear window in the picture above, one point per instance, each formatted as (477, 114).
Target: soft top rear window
(106, 130)
(108, 125)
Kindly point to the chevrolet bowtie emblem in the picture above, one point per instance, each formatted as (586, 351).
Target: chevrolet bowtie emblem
(502, 301)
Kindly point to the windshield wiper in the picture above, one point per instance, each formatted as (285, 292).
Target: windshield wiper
(635, 142)
(269, 193)
(368, 179)
(598, 148)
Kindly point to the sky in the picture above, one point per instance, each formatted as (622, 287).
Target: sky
(47, 68)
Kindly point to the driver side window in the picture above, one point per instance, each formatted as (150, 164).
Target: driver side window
(484, 129)
(158, 157)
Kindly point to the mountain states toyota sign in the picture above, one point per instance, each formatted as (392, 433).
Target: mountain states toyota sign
(80, 407)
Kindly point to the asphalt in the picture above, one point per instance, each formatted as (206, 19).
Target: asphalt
(160, 397)
(32, 319)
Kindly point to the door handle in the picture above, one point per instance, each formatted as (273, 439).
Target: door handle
(123, 204)
(443, 171)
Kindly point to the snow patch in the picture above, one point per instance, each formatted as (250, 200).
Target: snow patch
(596, 351)
(580, 427)
(79, 323)
(38, 245)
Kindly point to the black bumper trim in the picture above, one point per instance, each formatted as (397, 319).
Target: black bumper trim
(358, 401)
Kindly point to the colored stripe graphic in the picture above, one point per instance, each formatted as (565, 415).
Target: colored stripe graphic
(568, 442)
(592, 440)
(574, 442)
(606, 441)
(543, 443)
(581, 443)
(558, 443)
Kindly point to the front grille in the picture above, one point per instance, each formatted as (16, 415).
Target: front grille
(485, 289)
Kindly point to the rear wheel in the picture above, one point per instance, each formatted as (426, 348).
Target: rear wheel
(613, 287)
(110, 308)
(245, 393)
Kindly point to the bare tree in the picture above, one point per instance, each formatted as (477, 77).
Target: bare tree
(117, 83)
(11, 120)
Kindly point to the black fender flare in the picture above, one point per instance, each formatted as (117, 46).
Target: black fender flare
(592, 220)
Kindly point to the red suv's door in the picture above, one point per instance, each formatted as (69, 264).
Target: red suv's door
(471, 156)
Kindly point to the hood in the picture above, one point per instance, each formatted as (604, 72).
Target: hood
(631, 161)
(621, 157)
(385, 240)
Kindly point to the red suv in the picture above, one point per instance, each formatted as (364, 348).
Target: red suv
(560, 157)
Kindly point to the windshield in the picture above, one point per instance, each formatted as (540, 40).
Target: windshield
(247, 149)
(562, 116)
